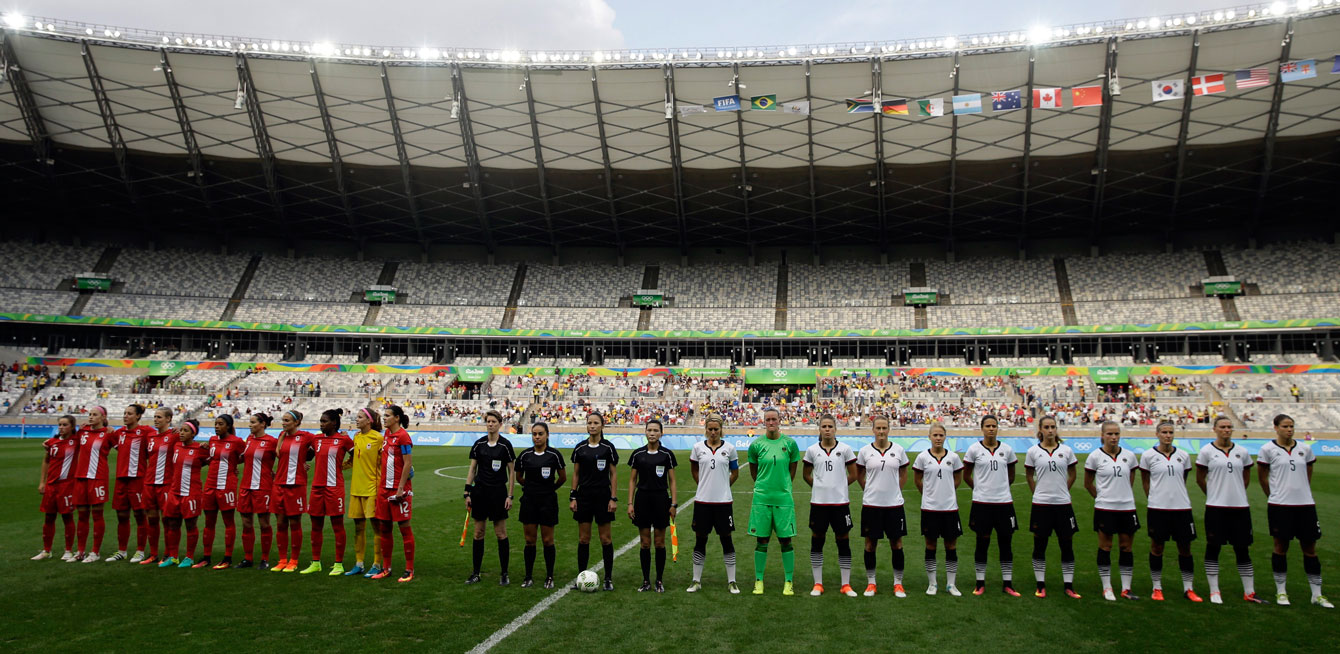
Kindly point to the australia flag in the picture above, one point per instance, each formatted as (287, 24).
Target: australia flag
(1006, 100)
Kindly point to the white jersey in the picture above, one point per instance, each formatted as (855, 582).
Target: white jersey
(1051, 473)
(1223, 479)
(1112, 477)
(714, 468)
(830, 472)
(1167, 479)
(881, 475)
(1288, 473)
(937, 480)
(990, 472)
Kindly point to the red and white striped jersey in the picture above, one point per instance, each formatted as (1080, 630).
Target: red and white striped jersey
(293, 452)
(397, 445)
(94, 446)
(131, 450)
(159, 448)
(188, 460)
(224, 456)
(330, 452)
(258, 463)
(61, 453)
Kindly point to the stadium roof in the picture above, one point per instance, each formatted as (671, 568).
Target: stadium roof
(154, 132)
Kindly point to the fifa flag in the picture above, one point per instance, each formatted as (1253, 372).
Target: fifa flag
(1006, 100)
(1167, 89)
(802, 107)
(1086, 96)
(1046, 98)
(1208, 84)
(727, 103)
(763, 102)
(894, 107)
(690, 109)
(931, 107)
(970, 103)
(860, 106)
(1295, 70)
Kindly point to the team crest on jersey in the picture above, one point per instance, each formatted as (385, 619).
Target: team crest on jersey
(544, 472)
(660, 471)
(600, 464)
(497, 465)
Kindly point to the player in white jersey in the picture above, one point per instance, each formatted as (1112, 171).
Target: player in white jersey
(715, 467)
(881, 469)
(989, 470)
(938, 472)
(1163, 472)
(1050, 466)
(830, 468)
(1286, 477)
(1223, 472)
(1109, 475)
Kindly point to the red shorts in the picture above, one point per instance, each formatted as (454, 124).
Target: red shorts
(220, 500)
(58, 497)
(128, 494)
(155, 497)
(88, 492)
(289, 500)
(254, 501)
(182, 507)
(394, 511)
(326, 500)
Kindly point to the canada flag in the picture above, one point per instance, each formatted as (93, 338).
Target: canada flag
(1046, 98)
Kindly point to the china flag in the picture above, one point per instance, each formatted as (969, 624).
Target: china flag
(1087, 96)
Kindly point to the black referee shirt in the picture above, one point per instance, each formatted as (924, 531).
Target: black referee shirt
(493, 460)
(653, 468)
(593, 464)
(538, 470)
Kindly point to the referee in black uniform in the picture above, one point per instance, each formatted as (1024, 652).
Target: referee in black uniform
(594, 477)
(653, 473)
(488, 492)
(541, 471)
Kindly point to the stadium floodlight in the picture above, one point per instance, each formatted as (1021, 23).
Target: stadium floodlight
(792, 51)
(15, 20)
(1277, 8)
(325, 49)
(1191, 19)
(1039, 34)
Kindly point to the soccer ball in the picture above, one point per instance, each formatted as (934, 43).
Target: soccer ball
(588, 582)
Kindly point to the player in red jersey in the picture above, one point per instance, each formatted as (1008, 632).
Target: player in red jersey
(90, 491)
(395, 492)
(253, 500)
(157, 476)
(293, 452)
(57, 486)
(332, 450)
(184, 500)
(131, 443)
(225, 454)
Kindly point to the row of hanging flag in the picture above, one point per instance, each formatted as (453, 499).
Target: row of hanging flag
(1043, 98)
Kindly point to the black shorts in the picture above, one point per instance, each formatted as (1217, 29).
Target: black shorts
(1290, 522)
(1177, 525)
(941, 524)
(883, 522)
(837, 516)
(985, 518)
(1048, 518)
(488, 503)
(651, 509)
(1228, 525)
(707, 517)
(593, 510)
(1116, 522)
(539, 509)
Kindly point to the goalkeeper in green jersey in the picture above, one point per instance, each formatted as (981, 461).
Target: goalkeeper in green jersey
(772, 463)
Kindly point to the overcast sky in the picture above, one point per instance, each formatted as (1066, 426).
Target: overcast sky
(592, 24)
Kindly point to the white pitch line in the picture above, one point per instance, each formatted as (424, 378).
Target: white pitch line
(439, 472)
(525, 618)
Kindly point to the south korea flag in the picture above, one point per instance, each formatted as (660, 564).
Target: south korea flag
(1167, 89)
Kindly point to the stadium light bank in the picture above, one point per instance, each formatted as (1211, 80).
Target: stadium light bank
(1035, 36)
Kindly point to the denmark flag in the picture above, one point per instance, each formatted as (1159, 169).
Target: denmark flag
(1047, 98)
(1208, 84)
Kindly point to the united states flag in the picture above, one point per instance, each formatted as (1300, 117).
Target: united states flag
(1251, 77)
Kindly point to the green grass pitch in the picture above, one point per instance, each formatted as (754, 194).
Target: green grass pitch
(54, 606)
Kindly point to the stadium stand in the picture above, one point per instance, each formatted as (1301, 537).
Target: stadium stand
(1135, 276)
(994, 281)
(1144, 312)
(117, 305)
(851, 317)
(720, 285)
(455, 283)
(578, 285)
(301, 313)
(44, 266)
(23, 300)
(994, 315)
(436, 315)
(858, 284)
(713, 319)
(1285, 307)
(179, 272)
(312, 278)
(1301, 267)
(528, 317)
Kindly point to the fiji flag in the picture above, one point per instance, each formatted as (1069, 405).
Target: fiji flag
(1005, 100)
(1295, 70)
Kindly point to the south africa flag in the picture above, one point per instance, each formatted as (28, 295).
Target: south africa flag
(763, 103)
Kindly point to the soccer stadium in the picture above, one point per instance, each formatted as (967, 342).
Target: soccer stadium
(1113, 241)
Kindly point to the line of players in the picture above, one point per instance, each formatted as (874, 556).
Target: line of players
(169, 474)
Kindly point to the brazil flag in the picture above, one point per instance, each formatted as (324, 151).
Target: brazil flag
(764, 103)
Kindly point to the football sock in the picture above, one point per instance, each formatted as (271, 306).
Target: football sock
(229, 533)
(68, 521)
(295, 541)
(1245, 569)
(979, 558)
(341, 538)
(870, 564)
(1156, 570)
(210, 518)
(141, 530)
(281, 537)
(583, 555)
(1212, 566)
(248, 540)
(122, 534)
(267, 535)
(951, 566)
(930, 567)
(898, 564)
(644, 557)
(1279, 565)
(1067, 562)
(1006, 557)
(153, 537)
(1312, 568)
(478, 555)
(48, 532)
(504, 555)
(172, 540)
(760, 559)
(360, 539)
(1188, 567)
(607, 553)
(844, 560)
(407, 536)
(528, 555)
(1126, 567)
(318, 540)
(83, 532)
(99, 528)
(699, 557)
(1040, 560)
(660, 563)
(550, 553)
(384, 539)
(788, 558)
(192, 535)
(1105, 568)
(817, 557)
